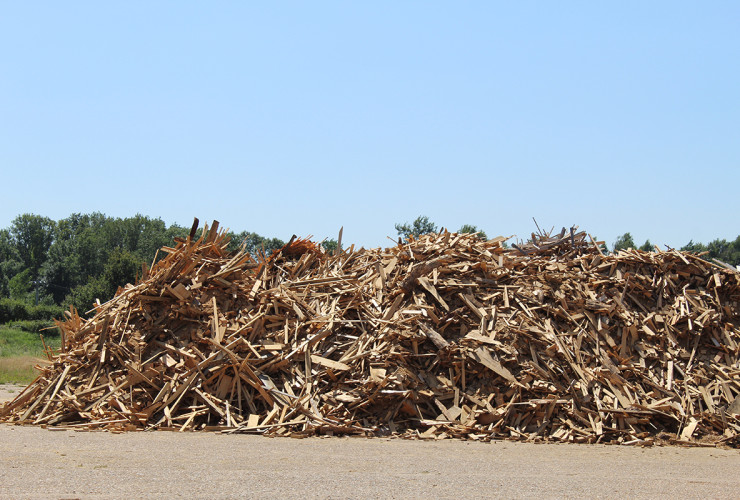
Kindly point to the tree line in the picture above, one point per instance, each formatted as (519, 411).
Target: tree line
(46, 265)
(718, 249)
(422, 225)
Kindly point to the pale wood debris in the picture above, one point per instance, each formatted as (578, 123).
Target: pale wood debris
(442, 336)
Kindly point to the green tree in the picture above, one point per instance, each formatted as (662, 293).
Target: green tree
(32, 236)
(78, 253)
(647, 246)
(121, 268)
(84, 244)
(176, 231)
(140, 235)
(254, 243)
(726, 251)
(422, 225)
(624, 242)
(734, 258)
(83, 296)
(10, 262)
(81, 257)
(694, 247)
(330, 245)
(143, 236)
(20, 286)
(467, 228)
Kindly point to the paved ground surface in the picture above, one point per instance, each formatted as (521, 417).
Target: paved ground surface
(38, 463)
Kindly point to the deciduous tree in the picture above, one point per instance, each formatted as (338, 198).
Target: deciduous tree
(467, 228)
(422, 225)
(647, 246)
(32, 236)
(624, 242)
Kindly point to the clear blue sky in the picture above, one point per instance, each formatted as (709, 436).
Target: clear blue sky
(301, 117)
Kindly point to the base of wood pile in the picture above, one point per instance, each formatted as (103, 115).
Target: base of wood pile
(444, 336)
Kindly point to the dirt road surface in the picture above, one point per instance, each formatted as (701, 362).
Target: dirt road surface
(39, 463)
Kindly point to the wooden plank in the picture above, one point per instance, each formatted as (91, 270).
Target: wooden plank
(483, 356)
(328, 363)
(424, 282)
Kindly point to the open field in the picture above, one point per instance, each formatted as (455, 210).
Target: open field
(20, 351)
(18, 369)
(38, 463)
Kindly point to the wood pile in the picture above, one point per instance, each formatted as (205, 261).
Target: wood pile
(443, 336)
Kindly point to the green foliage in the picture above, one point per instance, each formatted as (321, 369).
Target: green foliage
(20, 310)
(20, 350)
(122, 268)
(88, 256)
(79, 252)
(18, 342)
(176, 231)
(467, 228)
(726, 251)
(647, 246)
(694, 247)
(422, 225)
(11, 309)
(82, 258)
(10, 261)
(254, 243)
(43, 326)
(330, 245)
(19, 286)
(32, 236)
(83, 296)
(18, 369)
(624, 242)
(85, 244)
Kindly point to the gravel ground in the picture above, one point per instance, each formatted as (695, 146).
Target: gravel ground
(9, 391)
(38, 463)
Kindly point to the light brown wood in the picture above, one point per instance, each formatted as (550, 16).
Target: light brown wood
(446, 335)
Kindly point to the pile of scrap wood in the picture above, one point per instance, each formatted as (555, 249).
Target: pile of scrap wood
(446, 335)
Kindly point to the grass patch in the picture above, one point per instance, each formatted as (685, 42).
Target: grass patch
(20, 351)
(19, 370)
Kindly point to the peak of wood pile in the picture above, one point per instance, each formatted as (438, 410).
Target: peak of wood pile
(444, 336)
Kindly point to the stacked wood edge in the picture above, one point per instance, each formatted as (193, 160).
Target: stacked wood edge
(442, 336)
